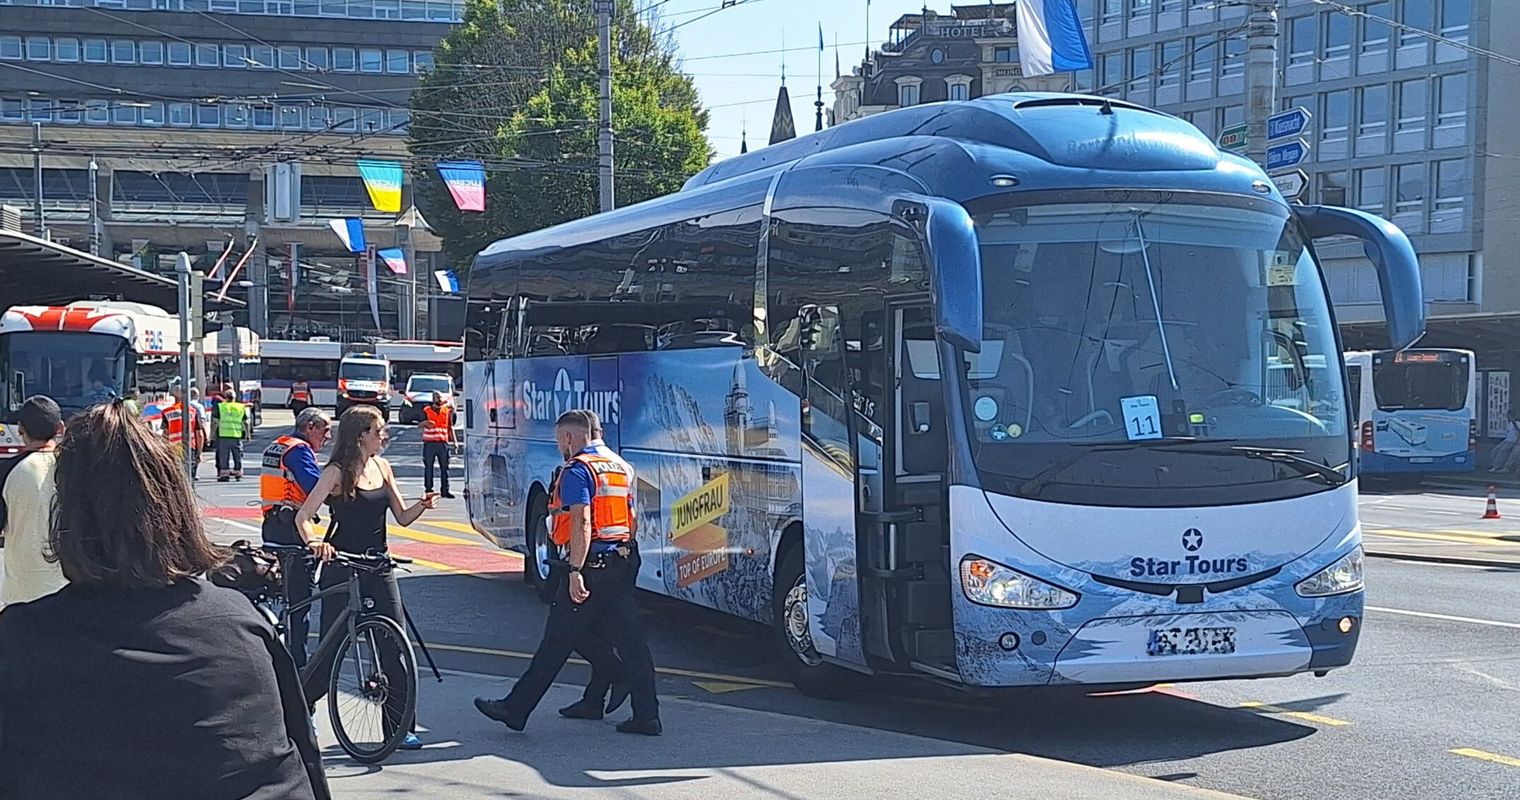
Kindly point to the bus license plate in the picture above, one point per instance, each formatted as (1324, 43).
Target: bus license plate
(1422, 460)
(1191, 641)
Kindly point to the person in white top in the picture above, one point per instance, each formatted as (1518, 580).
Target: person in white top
(28, 492)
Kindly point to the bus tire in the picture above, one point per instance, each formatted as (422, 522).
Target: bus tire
(801, 664)
(536, 548)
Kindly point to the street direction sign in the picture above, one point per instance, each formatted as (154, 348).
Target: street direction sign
(1292, 122)
(1287, 155)
(1233, 138)
(1291, 184)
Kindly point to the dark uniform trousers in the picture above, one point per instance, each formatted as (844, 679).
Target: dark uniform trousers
(609, 616)
(280, 528)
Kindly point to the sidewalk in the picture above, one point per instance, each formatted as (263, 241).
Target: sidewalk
(707, 751)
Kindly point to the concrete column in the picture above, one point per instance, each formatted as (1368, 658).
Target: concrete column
(258, 265)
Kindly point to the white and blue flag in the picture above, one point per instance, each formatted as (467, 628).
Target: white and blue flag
(447, 280)
(1051, 38)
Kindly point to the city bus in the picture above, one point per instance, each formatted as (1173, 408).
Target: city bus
(1416, 412)
(233, 358)
(974, 390)
(80, 354)
(312, 363)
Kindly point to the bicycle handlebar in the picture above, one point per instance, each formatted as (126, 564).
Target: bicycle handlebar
(364, 561)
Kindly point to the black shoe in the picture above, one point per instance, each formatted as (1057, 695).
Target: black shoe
(498, 710)
(447, 495)
(584, 709)
(223, 479)
(648, 727)
(620, 692)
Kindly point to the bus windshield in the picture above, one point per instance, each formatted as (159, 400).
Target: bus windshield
(77, 370)
(1436, 384)
(1142, 341)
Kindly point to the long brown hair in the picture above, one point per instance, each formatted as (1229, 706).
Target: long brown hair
(124, 515)
(347, 456)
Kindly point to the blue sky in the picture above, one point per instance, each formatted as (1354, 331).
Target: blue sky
(740, 90)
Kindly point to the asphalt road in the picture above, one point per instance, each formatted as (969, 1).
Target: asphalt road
(1428, 709)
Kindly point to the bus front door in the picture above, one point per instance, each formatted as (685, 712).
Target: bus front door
(902, 498)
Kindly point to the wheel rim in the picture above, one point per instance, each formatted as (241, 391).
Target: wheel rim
(369, 704)
(794, 614)
(541, 555)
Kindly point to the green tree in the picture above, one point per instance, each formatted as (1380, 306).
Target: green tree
(515, 86)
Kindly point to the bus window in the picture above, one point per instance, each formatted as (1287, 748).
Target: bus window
(1354, 379)
(1419, 385)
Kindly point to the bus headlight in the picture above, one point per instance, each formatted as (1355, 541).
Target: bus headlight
(1344, 576)
(992, 584)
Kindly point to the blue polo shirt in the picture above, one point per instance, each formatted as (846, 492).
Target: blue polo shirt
(302, 463)
(576, 486)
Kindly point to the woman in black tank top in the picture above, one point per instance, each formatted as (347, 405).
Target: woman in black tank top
(359, 486)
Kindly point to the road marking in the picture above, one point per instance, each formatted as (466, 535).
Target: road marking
(1483, 755)
(450, 525)
(1318, 719)
(723, 687)
(1448, 617)
(1452, 536)
(680, 673)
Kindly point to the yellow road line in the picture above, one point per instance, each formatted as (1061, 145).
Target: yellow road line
(427, 537)
(1443, 537)
(1318, 719)
(1483, 755)
(449, 525)
(681, 673)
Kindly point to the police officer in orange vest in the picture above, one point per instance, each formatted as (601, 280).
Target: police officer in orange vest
(289, 474)
(437, 438)
(592, 506)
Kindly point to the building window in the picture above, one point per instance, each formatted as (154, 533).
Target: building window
(316, 58)
(181, 115)
(371, 60)
(1412, 105)
(70, 112)
(1139, 8)
(400, 121)
(124, 114)
(1303, 40)
(423, 61)
(398, 62)
(343, 120)
(1336, 115)
(1409, 188)
(263, 118)
(1170, 68)
(1112, 71)
(290, 57)
(318, 118)
(1455, 15)
(66, 50)
(235, 56)
(345, 59)
(291, 118)
(12, 109)
(1451, 195)
(958, 87)
(1004, 55)
(1371, 190)
(95, 51)
(1205, 50)
(1234, 57)
(1415, 15)
(1140, 63)
(208, 55)
(413, 9)
(1337, 36)
(153, 113)
(907, 94)
(123, 51)
(1372, 118)
(97, 112)
(236, 116)
(1332, 188)
(1451, 100)
(387, 9)
(1375, 33)
(261, 56)
(39, 48)
(208, 116)
(150, 52)
(39, 109)
(10, 48)
(1230, 116)
(1112, 9)
(179, 54)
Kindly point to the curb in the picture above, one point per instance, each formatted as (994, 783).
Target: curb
(1430, 559)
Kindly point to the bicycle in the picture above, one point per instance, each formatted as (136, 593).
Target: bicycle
(374, 669)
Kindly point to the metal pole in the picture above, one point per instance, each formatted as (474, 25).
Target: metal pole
(94, 208)
(182, 272)
(1261, 76)
(39, 226)
(604, 123)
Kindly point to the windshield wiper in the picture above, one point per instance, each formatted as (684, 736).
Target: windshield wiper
(1032, 487)
(1277, 455)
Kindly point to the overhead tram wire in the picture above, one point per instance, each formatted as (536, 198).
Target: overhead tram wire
(1351, 11)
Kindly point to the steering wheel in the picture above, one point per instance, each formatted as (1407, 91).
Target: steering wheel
(1234, 396)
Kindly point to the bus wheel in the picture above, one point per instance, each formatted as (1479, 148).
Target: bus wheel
(800, 661)
(537, 549)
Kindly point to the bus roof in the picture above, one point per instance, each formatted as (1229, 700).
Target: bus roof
(150, 329)
(1036, 141)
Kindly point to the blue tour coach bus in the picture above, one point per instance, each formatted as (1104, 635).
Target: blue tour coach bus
(974, 390)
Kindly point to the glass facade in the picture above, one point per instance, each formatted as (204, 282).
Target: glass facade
(410, 10)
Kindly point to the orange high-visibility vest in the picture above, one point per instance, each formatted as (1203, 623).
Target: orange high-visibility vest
(174, 423)
(436, 423)
(611, 501)
(277, 485)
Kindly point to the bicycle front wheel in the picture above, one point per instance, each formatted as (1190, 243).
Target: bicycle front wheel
(372, 690)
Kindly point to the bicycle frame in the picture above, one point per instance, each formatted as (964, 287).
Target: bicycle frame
(344, 625)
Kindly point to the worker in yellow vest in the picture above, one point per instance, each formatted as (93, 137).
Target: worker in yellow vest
(232, 429)
(437, 440)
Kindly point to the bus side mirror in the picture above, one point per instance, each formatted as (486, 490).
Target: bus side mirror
(1393, 257)
(955, 274)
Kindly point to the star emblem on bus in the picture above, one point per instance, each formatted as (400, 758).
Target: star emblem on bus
(1192, 539)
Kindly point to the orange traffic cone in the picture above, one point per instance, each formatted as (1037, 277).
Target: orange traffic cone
(1492, 512)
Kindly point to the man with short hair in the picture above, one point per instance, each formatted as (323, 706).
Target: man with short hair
(231, 422)
(437, 439)
(290, 473)
(26, 516)
(593, 518)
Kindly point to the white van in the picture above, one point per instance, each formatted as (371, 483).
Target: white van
(364, 379)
